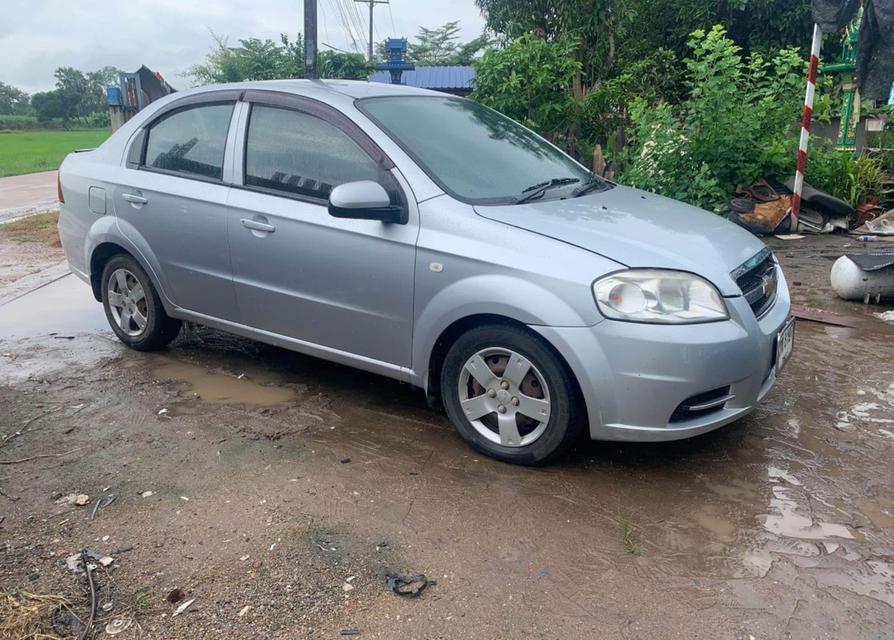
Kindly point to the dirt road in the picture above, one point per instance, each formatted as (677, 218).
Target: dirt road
(283, 487)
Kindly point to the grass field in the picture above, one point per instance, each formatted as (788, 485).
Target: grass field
(30, 151)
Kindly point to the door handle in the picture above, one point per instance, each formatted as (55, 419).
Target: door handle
(134, 198)
(255, 225)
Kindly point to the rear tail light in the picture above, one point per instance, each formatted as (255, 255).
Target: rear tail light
(59, 188)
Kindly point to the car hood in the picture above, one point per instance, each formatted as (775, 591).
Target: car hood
(639, 229)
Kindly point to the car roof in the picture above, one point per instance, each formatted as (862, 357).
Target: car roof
(352, 89)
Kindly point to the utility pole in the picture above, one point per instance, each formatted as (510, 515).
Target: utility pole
(372, 5)
(310, 39)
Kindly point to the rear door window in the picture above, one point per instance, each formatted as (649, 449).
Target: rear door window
(299, 154)
(191, 141)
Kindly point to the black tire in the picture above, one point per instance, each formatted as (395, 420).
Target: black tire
(160, 329)
(563, 427)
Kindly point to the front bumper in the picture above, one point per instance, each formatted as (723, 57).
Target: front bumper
(634, 376)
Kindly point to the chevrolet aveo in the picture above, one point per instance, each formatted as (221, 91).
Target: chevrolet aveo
(429, 239)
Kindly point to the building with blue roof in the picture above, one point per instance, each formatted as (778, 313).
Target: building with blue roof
(459, 81)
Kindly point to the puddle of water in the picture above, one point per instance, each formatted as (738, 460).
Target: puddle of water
(880, 515)
(784, 520)
(65, 307)
(222, 388)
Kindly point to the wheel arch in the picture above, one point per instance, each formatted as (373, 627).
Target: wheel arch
(465, 324)
(107, 250)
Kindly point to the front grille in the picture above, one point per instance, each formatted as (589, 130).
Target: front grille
(758, 281)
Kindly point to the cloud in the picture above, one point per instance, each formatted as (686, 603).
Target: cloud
(37, 36)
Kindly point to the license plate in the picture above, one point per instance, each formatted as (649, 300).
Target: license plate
(785, 342)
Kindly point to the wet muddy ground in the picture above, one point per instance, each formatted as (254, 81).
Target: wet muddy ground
(283, 487)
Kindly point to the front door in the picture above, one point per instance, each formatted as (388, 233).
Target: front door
(171, 203)
(345, 285)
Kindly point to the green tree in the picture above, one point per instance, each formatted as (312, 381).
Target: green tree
(754, 25)
(253, 59)
(441, 46)
(592, 23)
(345, 66)
(48, 105)
(256, 59)
(13, 101)
(530, 80)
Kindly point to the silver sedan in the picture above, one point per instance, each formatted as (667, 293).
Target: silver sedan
(432, 240)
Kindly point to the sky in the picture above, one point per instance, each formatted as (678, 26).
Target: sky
(37, 36)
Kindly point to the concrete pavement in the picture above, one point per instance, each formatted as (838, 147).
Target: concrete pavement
(29, 193)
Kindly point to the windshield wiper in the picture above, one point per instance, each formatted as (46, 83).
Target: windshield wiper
(596, 182)
(536, 191)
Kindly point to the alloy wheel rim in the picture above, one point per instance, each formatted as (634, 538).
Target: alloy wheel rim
(504, 397)
(127, 302)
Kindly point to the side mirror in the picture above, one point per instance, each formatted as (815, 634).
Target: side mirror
(364, 200)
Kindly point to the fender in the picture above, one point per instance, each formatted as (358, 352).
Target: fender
(495, 294)
(111, 230)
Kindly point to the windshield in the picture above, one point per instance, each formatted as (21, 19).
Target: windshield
(474, 153)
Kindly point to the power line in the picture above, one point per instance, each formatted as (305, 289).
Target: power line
(372, 5)
(347, 27)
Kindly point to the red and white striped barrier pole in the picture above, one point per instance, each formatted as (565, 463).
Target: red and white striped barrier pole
(805, 121)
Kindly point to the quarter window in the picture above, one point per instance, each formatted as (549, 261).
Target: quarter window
(301, 154)
(191, 141)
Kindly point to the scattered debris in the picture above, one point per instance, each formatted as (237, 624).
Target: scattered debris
(147, 494)
(760, 208)
(76, 562)
(102, 503)
(350, 632)
(29, 615)
(345, 460)
(803, 312)
(163, 412)
(81, 500)
(118, 625)
(92, 587)
(791, 236)
(175, 595)
(43, 455)
(347, 586)
(883, 225)
(407, 586)
(183, 607)
(886, 316)
(244, 610)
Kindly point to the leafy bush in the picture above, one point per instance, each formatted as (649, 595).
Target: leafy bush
(737, 124)
(531, 81)
(17, 123)
(606, 108)
(98, 120)
(844, 176)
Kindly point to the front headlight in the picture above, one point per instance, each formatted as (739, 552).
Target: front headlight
(659, 297)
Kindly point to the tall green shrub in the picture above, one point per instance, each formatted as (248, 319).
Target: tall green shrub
(531, 81)
(738, 123)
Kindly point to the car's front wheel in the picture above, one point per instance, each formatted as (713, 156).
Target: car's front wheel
(510, 396)
(133, 307)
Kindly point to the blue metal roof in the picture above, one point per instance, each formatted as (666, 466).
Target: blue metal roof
(443, 78)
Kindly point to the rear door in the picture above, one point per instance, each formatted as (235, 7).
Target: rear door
(346, 285)
(171, 202)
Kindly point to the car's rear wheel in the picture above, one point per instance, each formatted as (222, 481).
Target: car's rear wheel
(133, 307)
(510, 395)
